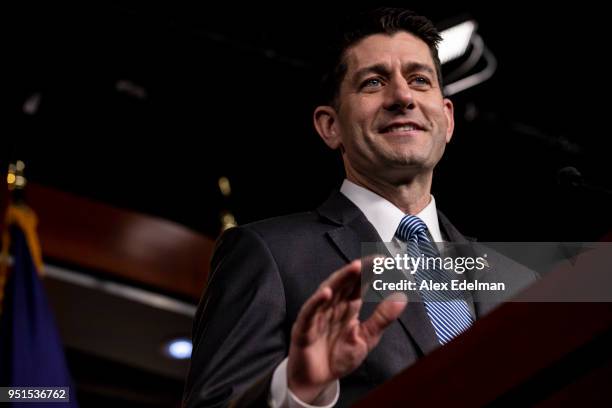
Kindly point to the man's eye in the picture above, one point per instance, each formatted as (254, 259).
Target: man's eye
(421, 80)
(372, 83)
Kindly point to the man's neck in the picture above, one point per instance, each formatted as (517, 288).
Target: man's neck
(410, 196)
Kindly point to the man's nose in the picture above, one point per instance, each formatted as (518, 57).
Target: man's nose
(400, 96)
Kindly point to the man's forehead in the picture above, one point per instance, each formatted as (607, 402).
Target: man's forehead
(401, 47)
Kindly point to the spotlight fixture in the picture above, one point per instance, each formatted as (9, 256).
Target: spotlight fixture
(178, 348)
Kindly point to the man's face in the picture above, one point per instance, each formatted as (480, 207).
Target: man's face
(391, 117)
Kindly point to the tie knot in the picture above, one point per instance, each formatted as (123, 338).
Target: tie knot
(411, 227)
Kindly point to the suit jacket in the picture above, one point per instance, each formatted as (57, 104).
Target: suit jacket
(260, 276)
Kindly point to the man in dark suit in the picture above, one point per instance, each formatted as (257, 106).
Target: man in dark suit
(276, 324)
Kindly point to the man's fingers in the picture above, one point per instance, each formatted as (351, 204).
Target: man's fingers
(344, 277)
(385, 314)
(306, 317)
(332, 303)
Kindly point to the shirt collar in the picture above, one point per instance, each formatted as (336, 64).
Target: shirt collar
(384, 216)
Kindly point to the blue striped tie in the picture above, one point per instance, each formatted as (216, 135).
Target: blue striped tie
(449, 313)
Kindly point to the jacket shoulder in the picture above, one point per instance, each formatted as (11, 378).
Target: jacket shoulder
(293, 225)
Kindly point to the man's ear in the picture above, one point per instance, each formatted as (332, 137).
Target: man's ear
(450, 118)
(326, 123)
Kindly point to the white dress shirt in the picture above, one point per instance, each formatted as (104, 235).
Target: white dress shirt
(385, 217)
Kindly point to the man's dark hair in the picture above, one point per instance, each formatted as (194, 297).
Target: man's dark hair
(356, 27)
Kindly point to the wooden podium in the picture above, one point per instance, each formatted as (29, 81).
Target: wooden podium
(526, 353)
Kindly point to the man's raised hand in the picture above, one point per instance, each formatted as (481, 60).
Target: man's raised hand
(327, 340)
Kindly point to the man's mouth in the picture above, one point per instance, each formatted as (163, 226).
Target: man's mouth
(402, 127)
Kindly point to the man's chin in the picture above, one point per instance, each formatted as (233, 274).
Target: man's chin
(407, 161)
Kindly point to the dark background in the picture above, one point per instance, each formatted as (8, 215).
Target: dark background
(229, 93)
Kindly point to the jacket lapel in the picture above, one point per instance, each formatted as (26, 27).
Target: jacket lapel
(462, 246)
(352, 230)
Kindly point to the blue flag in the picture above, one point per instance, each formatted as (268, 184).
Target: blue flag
(31, 352)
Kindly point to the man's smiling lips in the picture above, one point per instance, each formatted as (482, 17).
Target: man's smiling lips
(402, 128)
